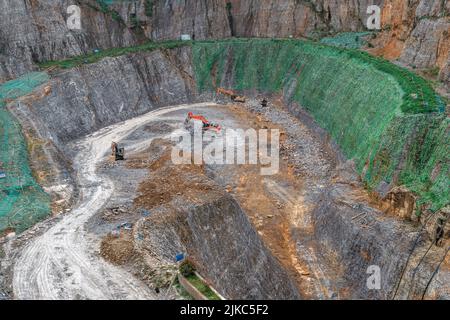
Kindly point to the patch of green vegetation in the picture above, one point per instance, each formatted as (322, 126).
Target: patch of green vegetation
(104, 7)
(202, 287)
(148, 8)
(113, 52)
(422, 143)
(187, 270)
(182, 291)
(350, 40)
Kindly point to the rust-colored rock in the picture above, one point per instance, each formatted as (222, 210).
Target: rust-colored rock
(400, 202)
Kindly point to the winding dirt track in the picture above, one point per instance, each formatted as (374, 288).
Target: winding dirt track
(63, 263)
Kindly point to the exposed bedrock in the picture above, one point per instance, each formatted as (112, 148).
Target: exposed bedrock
(418, 33)
(93, 96)
(269, 18)
(362, 107)
(361, 236)
(219, 238)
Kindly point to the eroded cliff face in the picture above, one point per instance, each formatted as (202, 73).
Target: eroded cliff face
(35, 30)
(417, 33)
(93, 96)
(218, 236)
(285, 18)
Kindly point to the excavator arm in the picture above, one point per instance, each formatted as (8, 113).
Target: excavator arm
(206, 124)
(201, 118)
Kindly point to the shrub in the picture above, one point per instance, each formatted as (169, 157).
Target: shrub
(187, 269)
(148, 8)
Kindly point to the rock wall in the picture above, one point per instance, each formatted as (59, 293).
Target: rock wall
(269, 18)
(35, 30)
(410, 266)
(93, 96)
(224, 245)
(201, 19)
(217, 19)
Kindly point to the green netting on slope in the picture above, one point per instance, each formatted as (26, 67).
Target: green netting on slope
(359, 99)
(422, 143)
(349, 40)
(22, 200)
(22, 86)
(310, 74)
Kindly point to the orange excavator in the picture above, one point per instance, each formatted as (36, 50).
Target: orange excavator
(234, 97)
(206, 124)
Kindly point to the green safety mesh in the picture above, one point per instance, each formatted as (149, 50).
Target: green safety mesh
(22, 200)
(378, 113)
(350, 40)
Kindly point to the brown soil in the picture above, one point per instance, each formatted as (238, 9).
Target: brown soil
(272, 217)
(167, 181)
(118, 249)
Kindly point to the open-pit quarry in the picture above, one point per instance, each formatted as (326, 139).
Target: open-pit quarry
(360, 190)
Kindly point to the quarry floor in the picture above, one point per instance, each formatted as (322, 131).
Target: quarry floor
(86, 254)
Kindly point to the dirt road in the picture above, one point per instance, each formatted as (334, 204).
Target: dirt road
(63, 262)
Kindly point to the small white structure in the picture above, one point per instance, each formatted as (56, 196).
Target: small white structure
(185, 37)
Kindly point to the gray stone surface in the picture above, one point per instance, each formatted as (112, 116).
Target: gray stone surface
(93, 96)
(218, 236)
(362, 236)
(36, 31)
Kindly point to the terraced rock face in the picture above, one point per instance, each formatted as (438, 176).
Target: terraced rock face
(36, 31)
(112, 90)
(418, 33)
(395, 135)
